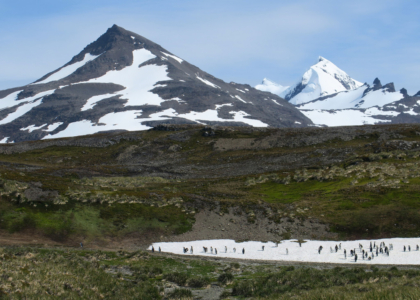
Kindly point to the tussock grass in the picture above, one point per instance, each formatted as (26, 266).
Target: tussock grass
(181, 294)
(34, 273)
(177, 277)
(311, 283)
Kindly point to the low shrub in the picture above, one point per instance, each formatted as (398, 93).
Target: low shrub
(181, 294)
(225, 278)
(199, 282)
(176, 277)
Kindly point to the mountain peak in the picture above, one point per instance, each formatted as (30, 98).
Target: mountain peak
(123, 81)
(118, 31)
(322, 79)
(269, 86)
(320, 59)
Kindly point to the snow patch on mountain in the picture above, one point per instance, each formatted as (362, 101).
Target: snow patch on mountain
(31, 128)
(28, 104)
(68, 70)
(222, 105)
(4, 140)
(269, 86)
(20, 111)
(212, 115)
(173, 56)
(50, 127)
(138, 82)
(11, 100)
(240, 99)
(127, 120)
(130, 120)
(208, 82)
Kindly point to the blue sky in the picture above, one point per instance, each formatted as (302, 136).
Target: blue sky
(242, 41)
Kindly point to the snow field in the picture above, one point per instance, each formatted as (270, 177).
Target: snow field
(347, 117)
(290, 251)
(346, 99)
(380, 98)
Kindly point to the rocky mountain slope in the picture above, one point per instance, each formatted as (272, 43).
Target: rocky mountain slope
(123, 81)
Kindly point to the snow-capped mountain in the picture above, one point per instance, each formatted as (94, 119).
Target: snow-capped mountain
(269, 86)
(123, 81)
(322, 79)
(330, 97)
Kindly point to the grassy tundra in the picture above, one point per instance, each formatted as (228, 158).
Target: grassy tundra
(114, 188)
(34, 273)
